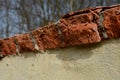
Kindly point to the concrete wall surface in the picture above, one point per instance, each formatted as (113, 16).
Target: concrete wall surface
(99, 61)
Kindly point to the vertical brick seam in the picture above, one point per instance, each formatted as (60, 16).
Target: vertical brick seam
(86, 26)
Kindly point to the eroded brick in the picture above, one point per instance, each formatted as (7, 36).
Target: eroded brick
(24, 42)
(80, 33)
(47, 37)
(74, 28)
(7, 46)
(112, 22)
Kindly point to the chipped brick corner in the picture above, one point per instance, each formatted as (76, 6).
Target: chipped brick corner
(87, 26)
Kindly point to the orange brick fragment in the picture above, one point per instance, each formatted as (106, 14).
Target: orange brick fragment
(80, 33)
(7, 46)
(47, 37)
(112, 22)
(24, 42)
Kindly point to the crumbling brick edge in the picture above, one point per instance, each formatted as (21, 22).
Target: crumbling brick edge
(86, 26)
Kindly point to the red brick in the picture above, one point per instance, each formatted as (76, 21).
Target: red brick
(24, 42)
(79, 33)
(112, 22)
(47, 37)
(7, 46)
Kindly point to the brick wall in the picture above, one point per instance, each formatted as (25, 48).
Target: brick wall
(86, 26)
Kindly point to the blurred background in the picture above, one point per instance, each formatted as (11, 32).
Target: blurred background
(20, 16)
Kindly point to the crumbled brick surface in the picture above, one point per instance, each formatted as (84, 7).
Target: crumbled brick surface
(7, 46)
(80, 27)
(79, 30)
(72, 30)
(24, 42)
(47, 37)
(112, 22)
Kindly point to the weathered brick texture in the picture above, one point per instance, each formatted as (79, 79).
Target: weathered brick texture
(7, 46)
(81, 27)
(47, 37)
(112, 22)
(24, 42)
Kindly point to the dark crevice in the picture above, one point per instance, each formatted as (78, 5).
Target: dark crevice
(1, 57)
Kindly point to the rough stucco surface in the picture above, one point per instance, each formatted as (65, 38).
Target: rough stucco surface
(99, 61)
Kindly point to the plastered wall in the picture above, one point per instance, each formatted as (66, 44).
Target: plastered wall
(99, 61)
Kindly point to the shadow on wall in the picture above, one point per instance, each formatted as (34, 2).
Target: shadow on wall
(75, 52)
(80, 52)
